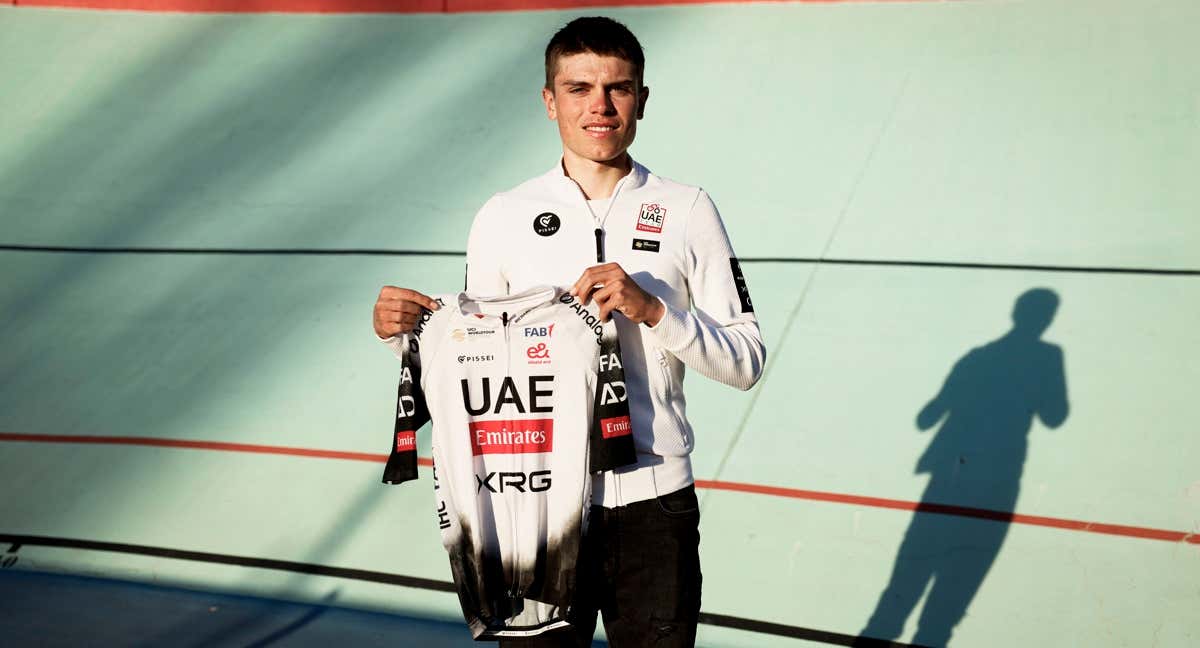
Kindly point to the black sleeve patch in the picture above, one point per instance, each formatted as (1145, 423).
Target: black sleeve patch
(739, 282)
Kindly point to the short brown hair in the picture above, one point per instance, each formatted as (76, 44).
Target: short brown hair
(598, 35)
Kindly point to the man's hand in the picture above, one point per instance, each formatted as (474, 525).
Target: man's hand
(398, 309)
(614, 290)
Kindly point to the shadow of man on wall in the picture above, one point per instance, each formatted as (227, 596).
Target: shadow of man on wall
(986, 408)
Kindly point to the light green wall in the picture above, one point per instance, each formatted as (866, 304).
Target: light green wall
(994, 132)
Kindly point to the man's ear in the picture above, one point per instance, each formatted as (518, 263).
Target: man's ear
(643, 95)
(548, 99)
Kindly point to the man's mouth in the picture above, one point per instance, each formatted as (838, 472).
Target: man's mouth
(599, 129)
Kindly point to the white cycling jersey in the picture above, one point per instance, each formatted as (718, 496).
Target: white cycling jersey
(527, 398)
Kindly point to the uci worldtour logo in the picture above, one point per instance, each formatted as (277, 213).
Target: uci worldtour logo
(546, 224)
(471, 333)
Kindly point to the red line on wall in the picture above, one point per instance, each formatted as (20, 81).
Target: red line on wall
(382, 6)
(739, 487)
(199, 445)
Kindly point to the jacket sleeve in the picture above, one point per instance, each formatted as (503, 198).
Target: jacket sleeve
(611, 434)
(411, 413)
(485, 270)
(719, 337)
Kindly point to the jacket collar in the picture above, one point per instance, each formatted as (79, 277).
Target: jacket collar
(569, 191)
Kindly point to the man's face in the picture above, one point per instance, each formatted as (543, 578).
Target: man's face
(596, 101)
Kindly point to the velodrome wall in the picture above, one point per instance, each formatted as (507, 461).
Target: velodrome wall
(895, 176)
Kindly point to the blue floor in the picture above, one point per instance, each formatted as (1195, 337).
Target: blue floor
(60, 610)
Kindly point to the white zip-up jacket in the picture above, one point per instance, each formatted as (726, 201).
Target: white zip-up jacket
(670, 239)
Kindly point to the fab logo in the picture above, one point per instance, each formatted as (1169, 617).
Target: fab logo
(539, 331)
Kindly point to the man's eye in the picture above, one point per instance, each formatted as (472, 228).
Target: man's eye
(577, 91)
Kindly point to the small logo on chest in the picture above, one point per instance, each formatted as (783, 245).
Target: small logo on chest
(651, 218)
(546, 224)
(645, 245)
(538, 353)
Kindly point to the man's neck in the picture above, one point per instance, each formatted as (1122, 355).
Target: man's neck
(597, 179)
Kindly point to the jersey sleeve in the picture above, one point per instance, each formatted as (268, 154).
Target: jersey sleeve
(412, 412)
(721, 338)
(485, 270)
(611, 434)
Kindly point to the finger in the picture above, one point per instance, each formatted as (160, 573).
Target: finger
(581, 283)
(397, 317)
(594, 278)
(404, 324)
(399, 306)
(387, 329)
(391, 317)
(606, 311)
(383, 328)
(426, 301)
(586, 285)
(392, 293)
(589, 293)
(607, 271)
(592, 275)
(607, 299)
(606, 292)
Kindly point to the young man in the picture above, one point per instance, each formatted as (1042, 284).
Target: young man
(654, 255)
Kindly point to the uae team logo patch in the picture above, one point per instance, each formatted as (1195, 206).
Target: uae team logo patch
(651, 218)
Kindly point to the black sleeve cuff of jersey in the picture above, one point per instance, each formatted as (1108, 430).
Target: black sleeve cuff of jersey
(608, 454)
(401, 467)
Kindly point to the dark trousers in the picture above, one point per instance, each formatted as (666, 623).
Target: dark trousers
(639, 567)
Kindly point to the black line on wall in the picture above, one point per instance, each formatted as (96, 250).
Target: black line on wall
(61, 249)
(451, 253)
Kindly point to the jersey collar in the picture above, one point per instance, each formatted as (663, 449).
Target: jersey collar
(516, 306)
(569, 191)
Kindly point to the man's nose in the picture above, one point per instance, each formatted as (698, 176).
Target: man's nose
(601, 104)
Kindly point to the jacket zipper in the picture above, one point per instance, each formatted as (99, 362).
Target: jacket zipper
(600, 221)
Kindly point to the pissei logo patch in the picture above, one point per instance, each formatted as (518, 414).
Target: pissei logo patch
(546, 224)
